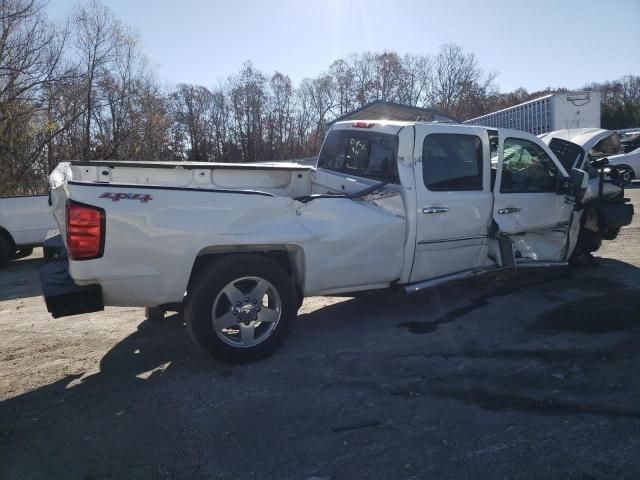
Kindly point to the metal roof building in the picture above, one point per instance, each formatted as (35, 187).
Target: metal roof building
(552, 112)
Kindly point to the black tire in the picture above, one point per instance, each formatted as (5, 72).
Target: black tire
(209, 284)
(154, 314)
(609, 233)
(22, 253)
(6, 251)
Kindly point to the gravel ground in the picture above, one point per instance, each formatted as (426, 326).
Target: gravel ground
(529, 375)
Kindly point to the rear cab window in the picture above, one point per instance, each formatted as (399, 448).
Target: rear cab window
(363, 154)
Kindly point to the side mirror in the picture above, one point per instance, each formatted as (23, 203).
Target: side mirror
(578, 180)
(575, 186)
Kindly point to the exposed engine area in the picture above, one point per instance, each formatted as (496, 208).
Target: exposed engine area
(606, 210)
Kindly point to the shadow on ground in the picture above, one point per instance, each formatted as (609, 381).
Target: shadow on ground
(158, 408)
(20, 279)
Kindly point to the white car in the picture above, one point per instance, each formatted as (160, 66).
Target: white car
(599, 143)
(24, 223)
(631, 159)
(390, 205)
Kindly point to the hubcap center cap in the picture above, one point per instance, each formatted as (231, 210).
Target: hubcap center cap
(247, 312)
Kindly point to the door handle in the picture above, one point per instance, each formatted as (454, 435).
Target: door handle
(504, 211)
(429, 210)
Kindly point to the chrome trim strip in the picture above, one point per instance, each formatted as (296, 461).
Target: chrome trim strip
(434, 282)
(531, 264)
(459, 239)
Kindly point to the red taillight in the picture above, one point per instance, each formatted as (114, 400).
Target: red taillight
(85, 231)
(362, 124)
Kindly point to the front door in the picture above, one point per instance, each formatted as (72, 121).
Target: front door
(453, 200)
(527, 207)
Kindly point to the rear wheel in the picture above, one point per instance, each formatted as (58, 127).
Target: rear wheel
(241, 308)
(6, 252)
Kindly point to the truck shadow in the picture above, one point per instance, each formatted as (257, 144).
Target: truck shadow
(153, 386)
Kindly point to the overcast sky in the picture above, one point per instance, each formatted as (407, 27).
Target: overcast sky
(529, 44)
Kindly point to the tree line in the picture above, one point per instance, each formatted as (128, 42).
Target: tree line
(83, 89)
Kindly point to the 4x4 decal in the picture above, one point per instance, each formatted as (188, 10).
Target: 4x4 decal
(116, 197)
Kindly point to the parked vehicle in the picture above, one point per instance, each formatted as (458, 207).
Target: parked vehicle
(597, 142)
(630, 141)
(631, 159)
(24, 223)
(401, 205)
(600, 144)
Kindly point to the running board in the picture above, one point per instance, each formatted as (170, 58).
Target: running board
(434, 282)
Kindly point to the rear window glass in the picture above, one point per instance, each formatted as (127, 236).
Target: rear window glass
(364, 154)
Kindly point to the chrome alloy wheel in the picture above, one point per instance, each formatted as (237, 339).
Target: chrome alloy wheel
(246, 312)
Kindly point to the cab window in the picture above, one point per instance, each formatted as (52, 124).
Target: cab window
(452, 161)
(526, 168)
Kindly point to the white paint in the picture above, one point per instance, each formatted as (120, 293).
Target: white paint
(631, 159)
(26, 219)
(336, 244)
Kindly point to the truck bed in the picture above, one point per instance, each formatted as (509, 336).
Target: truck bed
(160, 217)
(280, 179)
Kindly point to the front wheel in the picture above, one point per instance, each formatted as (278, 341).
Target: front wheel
(609, 233)
(6, 252)
(241, 308)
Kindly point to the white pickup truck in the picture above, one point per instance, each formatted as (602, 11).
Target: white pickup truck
(24, 223)
(401, 205)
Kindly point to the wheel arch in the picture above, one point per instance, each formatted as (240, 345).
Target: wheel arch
(631, 169)
(289, 256)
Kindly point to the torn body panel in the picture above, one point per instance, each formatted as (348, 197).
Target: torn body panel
(354, 244)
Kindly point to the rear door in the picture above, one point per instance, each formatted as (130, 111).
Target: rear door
(527, 207)
(454, 201)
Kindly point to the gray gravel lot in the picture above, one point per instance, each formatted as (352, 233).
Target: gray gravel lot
(530, 375)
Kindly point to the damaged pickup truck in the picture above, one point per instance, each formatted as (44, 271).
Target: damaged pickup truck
(401, 205)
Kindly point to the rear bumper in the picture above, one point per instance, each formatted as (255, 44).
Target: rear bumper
(62, 296)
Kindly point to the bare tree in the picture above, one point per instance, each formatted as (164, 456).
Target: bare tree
(98, 35)
(93, 95)
(344, 85)
(415, 79)
(456, 74)
(30, 62)
(248, 97)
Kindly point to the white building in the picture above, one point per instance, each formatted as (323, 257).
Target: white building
(557, 111)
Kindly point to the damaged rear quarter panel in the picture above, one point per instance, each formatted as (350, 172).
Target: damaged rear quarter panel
(354, 243)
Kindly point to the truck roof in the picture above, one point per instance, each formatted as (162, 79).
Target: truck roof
(394, 126)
